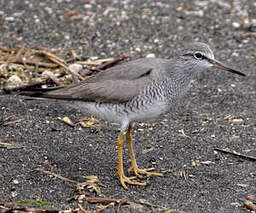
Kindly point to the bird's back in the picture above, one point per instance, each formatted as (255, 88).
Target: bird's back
(115, 85)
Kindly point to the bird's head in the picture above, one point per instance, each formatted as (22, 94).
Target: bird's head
(200, 57)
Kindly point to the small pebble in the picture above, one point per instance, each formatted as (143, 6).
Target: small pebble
(47, 73)
(75, 68)
(193, 164)
(10, 18)
(208, 162)
(14, 81)
(235, 24)
(14, 194)
(151, 55)
(137, 49)
(15, 181)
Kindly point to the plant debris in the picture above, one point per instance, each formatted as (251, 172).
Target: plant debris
(10, 145)
(55, 175)
(84, 122)
(250, 202)
(5, 123)
(68, 121)
(236, 154)
(18, 208)
(22, 67)
(9, 121)
(87, 123)
(92, 184)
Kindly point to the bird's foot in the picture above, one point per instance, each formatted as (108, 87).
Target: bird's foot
(138, 172)
(123, 179)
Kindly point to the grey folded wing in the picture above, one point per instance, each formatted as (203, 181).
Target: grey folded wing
(118, 84)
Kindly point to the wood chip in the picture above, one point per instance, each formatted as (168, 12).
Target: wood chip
(68, 121)
(238, 121)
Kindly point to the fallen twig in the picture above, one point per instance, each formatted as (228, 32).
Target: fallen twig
(56, 175)
(10, 145)
(250, 158)
(5, 123)
(20, 52)
(104, 200)
(91, 183)
(61, 63)
(112, 63)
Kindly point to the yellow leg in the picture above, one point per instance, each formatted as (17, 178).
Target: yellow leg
(134, 166)
(120, 172)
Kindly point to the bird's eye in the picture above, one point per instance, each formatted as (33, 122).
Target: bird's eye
(198, 55)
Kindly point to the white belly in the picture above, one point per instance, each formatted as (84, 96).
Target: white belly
(117, 113)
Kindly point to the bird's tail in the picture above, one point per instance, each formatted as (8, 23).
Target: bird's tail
(43, 93)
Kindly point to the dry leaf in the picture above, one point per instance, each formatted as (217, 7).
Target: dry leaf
(87, 123)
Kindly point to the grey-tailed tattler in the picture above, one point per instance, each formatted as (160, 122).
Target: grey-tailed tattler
(137, 91)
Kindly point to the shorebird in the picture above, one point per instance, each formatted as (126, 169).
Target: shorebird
(136, 91)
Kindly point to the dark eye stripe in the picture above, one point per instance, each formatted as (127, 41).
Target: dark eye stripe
(188, 54)
(192, 54)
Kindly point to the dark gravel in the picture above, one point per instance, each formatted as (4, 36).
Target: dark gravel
(200, 179)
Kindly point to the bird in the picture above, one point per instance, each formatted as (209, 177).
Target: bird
(136, 91)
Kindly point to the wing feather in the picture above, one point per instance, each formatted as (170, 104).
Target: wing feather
(118, 84)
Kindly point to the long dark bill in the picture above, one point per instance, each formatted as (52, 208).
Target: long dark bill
(219, 65)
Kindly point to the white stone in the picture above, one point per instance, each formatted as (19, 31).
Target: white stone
(151, 55)
(14, 80)
(235, 24)
(10, 18)
(75, 68)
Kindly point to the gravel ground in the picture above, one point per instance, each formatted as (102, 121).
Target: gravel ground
(198, 179)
